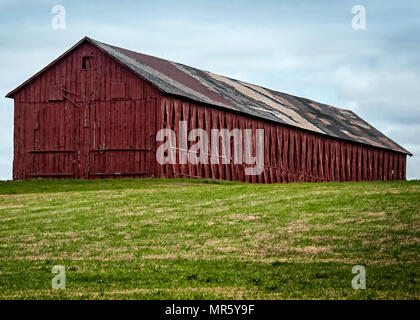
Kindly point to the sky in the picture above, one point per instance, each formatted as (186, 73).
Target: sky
(305, 48)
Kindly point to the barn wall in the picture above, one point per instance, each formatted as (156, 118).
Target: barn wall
(290, 154)
(85, 123)
(102, 122)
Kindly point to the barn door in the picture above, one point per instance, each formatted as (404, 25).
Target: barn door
(56, 140)
(121, 137)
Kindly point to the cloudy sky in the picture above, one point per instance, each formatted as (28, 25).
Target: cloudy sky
(307, 48)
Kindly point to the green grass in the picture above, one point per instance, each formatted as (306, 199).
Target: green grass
(200, 239)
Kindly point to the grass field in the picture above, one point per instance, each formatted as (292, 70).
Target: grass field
(198, 239)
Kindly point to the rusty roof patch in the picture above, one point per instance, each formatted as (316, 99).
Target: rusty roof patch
(360, 124)
(374, 143)
(325, 121)
(286, 102)
(313, 105)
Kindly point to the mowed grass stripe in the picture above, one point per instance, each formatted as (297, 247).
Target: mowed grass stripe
(187, 239)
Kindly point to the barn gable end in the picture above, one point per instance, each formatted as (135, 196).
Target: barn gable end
(84, 116)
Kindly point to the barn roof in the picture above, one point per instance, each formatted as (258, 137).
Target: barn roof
(209, 88)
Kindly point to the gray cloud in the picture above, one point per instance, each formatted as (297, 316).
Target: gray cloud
(305, 48)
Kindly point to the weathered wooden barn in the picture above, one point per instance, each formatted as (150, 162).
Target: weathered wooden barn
(95, 112)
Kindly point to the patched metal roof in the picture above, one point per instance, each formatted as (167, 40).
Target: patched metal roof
(203, 86)
(206, 87)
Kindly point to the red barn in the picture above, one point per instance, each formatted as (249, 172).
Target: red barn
(96, 112)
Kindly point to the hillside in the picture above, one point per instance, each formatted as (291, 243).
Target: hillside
(190, 239)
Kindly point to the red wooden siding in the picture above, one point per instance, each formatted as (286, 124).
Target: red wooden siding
(290, 154)
(84, 123)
